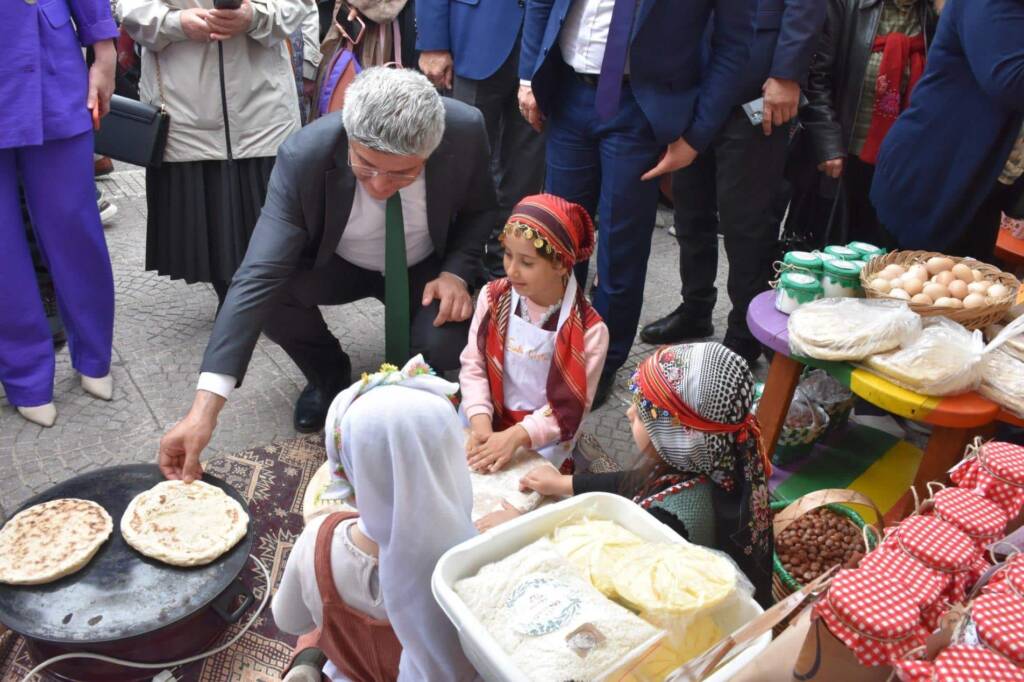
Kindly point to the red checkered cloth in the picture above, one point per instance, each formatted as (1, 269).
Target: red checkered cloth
(998, 621)
(960, 664)
(996, 471)
(1010, 578)
(982, 520)
(872, 615)
(923, 583)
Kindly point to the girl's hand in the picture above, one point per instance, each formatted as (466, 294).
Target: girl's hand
(193, 23)
(546, 480)
(498, 449)
(497, 518)
(479, 430)
(101, 80)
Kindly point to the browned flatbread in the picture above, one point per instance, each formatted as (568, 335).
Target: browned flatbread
(51, 540)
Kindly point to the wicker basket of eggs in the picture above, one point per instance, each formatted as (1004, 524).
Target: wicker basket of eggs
(967, 291)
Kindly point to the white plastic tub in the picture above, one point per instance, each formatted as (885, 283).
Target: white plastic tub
(466, 559)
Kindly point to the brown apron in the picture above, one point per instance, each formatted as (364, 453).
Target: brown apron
(364, 649)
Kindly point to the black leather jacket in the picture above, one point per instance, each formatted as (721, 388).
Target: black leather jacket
(836, 78)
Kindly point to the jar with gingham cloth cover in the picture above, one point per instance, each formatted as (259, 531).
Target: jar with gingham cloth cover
(960, 664)
(943, 548)
(1008, 579)
(980, 519)
(996, 470)
(995, 621)
(873, 615)
(920, 582)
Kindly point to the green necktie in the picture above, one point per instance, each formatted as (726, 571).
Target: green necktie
(396, 285)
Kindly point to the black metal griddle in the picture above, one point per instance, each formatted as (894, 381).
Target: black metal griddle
(120, 594)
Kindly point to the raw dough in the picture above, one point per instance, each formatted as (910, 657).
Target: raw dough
(184, 524)
(490, 489)
(51, 540)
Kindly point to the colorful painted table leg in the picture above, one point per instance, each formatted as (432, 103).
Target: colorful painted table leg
(783, 376)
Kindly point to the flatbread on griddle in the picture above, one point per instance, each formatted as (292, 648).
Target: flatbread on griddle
(184, 524)
(51, 540)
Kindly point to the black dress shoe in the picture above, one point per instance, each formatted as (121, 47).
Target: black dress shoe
(315, 399)
(750, 350)
(604, 389)
(675, 327)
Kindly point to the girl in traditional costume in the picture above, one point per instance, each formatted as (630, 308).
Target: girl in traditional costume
(536, 346)
(704, 472)
(358, 584)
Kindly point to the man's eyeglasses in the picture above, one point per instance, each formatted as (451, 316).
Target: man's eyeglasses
(369, 172)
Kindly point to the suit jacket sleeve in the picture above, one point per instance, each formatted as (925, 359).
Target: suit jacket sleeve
(990, 32)
(432, 25)
(477, 213)
(798, 36)
(535, 21)
(93, 20)
(819, 116)
(273, 255)
(719, 89)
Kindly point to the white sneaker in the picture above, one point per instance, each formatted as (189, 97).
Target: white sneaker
(672, 230)
(107, 209)
(101, 387)
(44, 415)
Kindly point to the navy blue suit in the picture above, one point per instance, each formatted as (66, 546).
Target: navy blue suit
(971, 99)
(483, 39)
(599, 163)
(730, 189)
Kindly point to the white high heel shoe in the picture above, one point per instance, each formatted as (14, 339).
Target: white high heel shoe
(44, 415)
(101, 387)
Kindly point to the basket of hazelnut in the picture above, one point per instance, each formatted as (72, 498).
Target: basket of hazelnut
(816, 532)
(967, 291)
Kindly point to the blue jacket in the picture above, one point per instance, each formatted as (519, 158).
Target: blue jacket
(786, 33)
(664, 61)
(943, 155)
(43, 79)
(480, 34)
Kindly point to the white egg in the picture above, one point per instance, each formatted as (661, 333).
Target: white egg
(978, 275)
(881, 285)
(919, 272)
(891, 271)
(958, 289)
(975, 301)
(944, 278)
(935, 291)
(947, 302)
(963, 272)
(922, 299)
(912, 285)
(998, 291)
(900, 294)
(978, 287)
(937, 264)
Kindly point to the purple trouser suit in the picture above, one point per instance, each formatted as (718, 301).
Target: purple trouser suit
(46, 144)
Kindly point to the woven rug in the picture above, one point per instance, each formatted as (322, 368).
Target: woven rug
(273, 479)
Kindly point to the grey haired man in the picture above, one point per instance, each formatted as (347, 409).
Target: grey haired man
(321, 240)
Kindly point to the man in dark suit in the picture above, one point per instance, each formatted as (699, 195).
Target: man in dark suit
(473, 49)
(618, 86)
(731, 187)
(398, 185)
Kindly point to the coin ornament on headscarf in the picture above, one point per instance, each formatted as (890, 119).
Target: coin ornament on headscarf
(416, 373)
(555, 227)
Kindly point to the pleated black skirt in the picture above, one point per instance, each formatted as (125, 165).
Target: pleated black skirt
(201, 215)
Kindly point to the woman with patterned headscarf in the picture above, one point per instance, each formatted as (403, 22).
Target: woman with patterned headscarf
(536, 347)
(705, 473)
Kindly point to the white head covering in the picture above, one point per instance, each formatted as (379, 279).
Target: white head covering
(403, 453)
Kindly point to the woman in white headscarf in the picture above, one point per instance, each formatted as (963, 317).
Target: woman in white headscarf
(401, 448)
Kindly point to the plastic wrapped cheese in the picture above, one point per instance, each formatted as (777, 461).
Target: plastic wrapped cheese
(489, 490)
(552, 623)
(595, 548)
(851, 328)
(1003, 381)
(946, 359)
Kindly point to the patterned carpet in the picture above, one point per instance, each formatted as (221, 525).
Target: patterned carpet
(273, 480)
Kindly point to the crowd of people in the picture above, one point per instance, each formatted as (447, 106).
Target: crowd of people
(896, 122)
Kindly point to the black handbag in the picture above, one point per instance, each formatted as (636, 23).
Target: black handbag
(134, 131)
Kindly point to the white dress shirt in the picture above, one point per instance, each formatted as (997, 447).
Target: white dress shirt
(362, 244)
(585, 34)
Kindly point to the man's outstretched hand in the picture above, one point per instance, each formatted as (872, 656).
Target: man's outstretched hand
(181, 446)
(456, 303)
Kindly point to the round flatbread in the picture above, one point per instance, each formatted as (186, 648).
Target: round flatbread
(51, 540)
(184, 524)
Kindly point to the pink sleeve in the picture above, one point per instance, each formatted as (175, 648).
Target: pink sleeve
(476, 391)
(541, 424)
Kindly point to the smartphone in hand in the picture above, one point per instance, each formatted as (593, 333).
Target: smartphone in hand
(227, 4)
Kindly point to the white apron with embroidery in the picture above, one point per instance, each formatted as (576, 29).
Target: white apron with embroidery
(529, 352)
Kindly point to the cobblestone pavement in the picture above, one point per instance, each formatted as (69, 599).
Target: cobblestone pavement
(160, 332)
